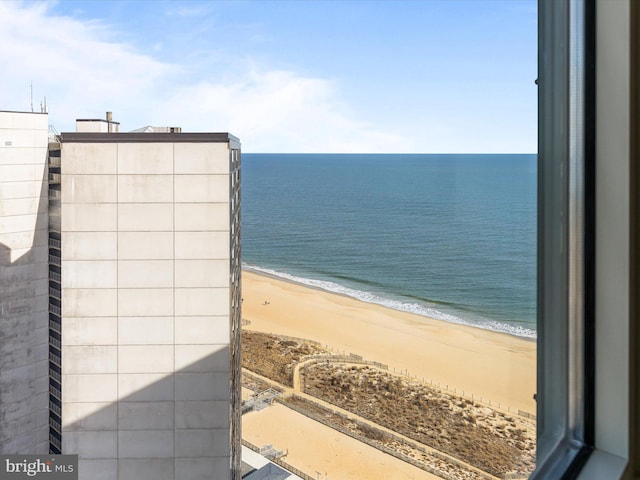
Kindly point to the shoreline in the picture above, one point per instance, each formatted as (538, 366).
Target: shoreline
(284, 277)
(494, 366)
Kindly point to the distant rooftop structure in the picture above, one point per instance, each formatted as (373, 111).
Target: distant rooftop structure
(107, 125)
(151, 129)
(98, 125)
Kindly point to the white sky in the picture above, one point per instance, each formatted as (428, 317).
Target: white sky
(423, 76)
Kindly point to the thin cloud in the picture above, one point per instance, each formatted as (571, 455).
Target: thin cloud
(70, 62)
(84, 70)
(280, 111)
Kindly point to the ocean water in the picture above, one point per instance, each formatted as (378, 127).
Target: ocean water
(447, 236)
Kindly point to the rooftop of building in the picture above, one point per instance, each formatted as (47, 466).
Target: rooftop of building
(107, 130)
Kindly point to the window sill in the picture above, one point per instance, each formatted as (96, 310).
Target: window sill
(603, 465)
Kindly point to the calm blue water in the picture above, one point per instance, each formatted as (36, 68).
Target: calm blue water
(448, 236)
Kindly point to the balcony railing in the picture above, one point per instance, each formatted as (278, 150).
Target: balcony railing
(55, 375)
(55, 342)
(55, 309)
(55, 408)
(55, 326)
(53, 358)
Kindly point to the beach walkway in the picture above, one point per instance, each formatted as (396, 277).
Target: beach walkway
(298, 392)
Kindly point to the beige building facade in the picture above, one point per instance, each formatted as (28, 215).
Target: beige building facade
(24, 338)
(144, 302)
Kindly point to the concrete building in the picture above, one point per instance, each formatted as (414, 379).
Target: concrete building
(144, 302)
(24, 337)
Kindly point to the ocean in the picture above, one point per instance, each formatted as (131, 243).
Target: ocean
(451, 237)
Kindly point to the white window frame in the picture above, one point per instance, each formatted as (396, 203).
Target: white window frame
(565, 237)
(588, 302)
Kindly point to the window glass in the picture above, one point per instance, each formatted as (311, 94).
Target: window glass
(390, 299)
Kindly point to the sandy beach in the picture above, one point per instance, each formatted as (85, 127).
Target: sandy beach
(334, 455)
(490, 366)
